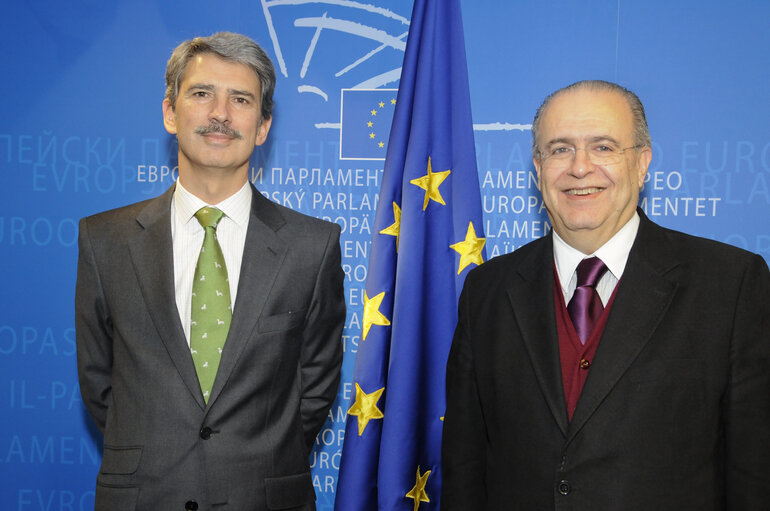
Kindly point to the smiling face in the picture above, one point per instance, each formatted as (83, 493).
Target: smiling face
(216, 118)
(588, 202)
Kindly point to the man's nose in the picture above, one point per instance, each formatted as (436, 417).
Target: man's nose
(220, 110)
(581, 162)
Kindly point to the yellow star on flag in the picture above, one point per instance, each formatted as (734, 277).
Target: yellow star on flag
(470, 249)
(374, 112)
(372, 314)
(418, 492)
(371, 135)
(370, 123)
(365, 407)
(382, 104)
(394, 229)
(381, 144)
(430, 183)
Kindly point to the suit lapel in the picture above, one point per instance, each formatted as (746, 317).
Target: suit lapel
(263, 255)
(533, 284)
(644, 294)
(153, 258)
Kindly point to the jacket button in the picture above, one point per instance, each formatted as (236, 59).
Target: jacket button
(585, 364)
(205, 434)
(191, 505)
(564, 487)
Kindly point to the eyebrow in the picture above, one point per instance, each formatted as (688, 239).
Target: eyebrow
(236, 92)
(209, 87)
(201, 86)
(592, 140)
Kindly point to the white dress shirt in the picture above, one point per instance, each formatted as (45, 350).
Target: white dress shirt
(614, 254)
(187, 237)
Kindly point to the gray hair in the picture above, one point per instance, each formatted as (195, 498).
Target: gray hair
(229, 46)
(641, 131)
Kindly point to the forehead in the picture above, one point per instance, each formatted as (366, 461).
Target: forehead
(211, 69)
(586, 113)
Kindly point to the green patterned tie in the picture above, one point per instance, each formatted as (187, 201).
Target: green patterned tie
(211, 309)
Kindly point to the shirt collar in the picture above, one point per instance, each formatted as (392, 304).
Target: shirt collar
(236, 207)
(614, 253)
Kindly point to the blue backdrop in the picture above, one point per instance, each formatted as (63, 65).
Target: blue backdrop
(82, 132)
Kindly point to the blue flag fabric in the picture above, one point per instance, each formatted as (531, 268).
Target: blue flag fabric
(427, 236)
(367, 115)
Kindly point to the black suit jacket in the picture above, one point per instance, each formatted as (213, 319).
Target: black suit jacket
(163, 445)
(674, 415)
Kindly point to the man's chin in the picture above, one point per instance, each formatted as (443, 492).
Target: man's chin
(580, 226)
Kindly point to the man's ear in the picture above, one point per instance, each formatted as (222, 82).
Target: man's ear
(264, 128)
(536, 162)
(643, 163)
(169, 117)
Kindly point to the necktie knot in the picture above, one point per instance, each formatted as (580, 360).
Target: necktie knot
(590, 271)
(209, 217)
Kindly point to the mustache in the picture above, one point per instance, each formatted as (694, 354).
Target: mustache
(220, 128)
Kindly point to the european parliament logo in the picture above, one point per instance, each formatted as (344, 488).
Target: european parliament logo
(365, 119)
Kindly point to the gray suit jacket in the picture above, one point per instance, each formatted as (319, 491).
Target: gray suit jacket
(164, 448)
(674, 415)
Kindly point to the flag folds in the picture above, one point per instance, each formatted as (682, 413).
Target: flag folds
(427, 236)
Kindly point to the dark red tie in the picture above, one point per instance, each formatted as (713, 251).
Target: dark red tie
(585, 307)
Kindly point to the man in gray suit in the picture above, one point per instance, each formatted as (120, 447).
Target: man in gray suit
(613, 364)
(219, 415)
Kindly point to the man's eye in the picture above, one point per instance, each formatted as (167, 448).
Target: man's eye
(603, 149)
(242, 101)
(200, 93)
(560, 151)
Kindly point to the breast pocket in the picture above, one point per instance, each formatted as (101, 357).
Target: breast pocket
(282, 321)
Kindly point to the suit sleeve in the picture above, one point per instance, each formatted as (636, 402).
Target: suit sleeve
(464, 443)
(321, 356)
(93, 333)
(747, 415)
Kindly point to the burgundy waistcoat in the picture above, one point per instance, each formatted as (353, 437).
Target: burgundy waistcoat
(576, 358)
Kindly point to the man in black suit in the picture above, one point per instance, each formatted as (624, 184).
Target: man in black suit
(221, 416)
(613, 364)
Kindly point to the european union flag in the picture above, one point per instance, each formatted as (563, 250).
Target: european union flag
(428, 235)
(365, 121)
